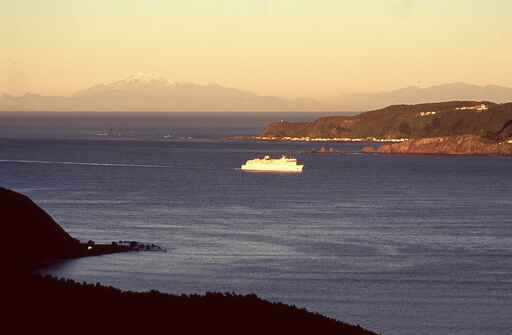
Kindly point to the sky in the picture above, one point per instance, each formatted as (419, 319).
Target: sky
(290, 48)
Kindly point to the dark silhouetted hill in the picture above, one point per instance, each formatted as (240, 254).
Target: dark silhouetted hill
(48, 305)
(68, 305)
(29, 235)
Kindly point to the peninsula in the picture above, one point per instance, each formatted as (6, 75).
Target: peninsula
(400, 122)
(453, 127)
(47, 304)
(36, 239)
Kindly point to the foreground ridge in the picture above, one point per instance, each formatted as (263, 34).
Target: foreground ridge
(213, 313)
(66, 306)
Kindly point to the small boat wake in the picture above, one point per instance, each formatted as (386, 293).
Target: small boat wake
(21, 161)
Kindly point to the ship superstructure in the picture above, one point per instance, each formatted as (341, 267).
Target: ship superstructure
(283, 164)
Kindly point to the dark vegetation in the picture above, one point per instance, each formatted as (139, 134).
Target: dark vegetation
(50, 305)
(98, 306)
(30, 235)
(406, 121)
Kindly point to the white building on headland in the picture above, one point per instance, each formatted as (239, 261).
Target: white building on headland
(427, 113)
(478, 108)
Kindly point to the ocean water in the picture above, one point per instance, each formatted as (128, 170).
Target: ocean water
(399, 244)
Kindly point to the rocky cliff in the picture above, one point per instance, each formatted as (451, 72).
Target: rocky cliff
(449, 145)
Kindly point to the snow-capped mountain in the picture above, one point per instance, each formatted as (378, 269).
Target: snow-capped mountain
(143, 91)
(134, 82)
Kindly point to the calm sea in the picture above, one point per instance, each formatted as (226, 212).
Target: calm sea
(401, 245)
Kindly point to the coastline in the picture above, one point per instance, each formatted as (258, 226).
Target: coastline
(464, 145)
(450, 127)
(61, 305)
(255, 138)
(461, 145)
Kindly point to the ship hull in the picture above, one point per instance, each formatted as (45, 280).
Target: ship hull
(254, 168)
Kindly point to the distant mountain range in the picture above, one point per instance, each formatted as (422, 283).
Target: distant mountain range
(417, 95)
(149, 92)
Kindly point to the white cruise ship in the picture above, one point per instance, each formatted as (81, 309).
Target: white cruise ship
(266, 163)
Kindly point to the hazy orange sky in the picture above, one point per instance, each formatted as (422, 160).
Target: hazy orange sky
(287, 48)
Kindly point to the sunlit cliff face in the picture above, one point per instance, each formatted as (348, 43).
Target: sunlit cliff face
(290, 48)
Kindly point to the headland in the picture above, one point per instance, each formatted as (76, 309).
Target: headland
(452, 127)
(48, 304)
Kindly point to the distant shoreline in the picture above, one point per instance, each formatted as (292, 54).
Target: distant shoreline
(464, 145)
(256, 138)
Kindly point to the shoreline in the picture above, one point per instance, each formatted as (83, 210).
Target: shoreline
(462, 145)
(39, 241)
(457, 145)
(92, 249)
(256, 138)
(67, 303)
